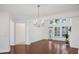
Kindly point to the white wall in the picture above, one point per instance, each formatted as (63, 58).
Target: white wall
(34, 33)
(4, 32)
(12, 37)
(74, 41)
(27, 30)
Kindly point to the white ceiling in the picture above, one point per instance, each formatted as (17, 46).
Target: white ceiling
(27, 11)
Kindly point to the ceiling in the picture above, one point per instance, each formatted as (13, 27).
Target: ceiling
(28, 11)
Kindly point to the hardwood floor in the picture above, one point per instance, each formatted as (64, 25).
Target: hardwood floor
(12, 49)
(44, 47)
(20, 49)
(56, 47)
(39, 47)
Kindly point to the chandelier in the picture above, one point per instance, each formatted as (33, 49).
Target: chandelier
(38, 21)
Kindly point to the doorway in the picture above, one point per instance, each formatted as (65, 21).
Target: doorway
(20, 47)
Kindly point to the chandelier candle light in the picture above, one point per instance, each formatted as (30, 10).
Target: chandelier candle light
(38, 21)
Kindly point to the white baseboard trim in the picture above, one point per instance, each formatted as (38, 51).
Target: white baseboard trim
(28, 43)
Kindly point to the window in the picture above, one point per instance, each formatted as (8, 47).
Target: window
(51, 22)
(60, 27)
(50, 32)
(57, 31)
(63, 20)
(57, 20)
(64, 30)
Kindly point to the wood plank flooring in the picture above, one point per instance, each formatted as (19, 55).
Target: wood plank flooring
(43, 47)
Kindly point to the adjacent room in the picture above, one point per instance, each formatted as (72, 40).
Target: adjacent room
(39, 28)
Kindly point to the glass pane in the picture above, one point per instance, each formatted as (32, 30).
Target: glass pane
(57, 31)
(57, 20)
(50, 32)
(64, 30)
(51, 21)
(63, 20)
